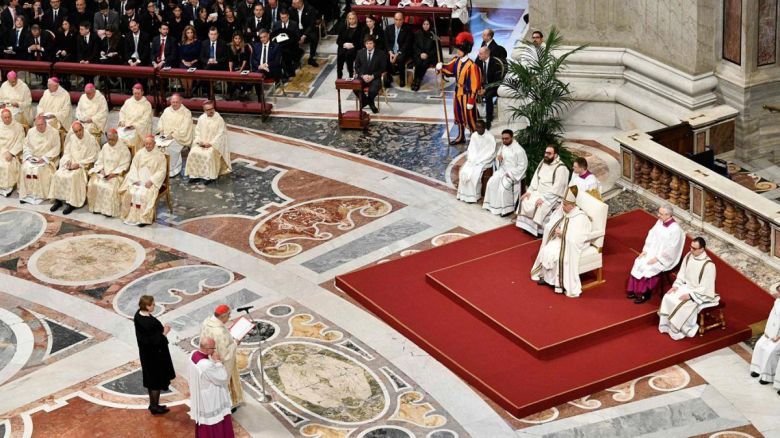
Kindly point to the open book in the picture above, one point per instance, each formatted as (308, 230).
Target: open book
(241, 327)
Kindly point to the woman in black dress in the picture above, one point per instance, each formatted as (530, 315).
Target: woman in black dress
(374, 29)
(65, 46)
(228, 25)
(151, 20)
(177, 23)
(348, 43)
(424, 53)
(156, 364)
(202, 24)
(239, 54)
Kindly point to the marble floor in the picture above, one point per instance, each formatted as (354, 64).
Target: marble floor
(305, 203)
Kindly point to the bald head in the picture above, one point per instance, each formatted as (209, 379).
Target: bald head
(149, 142)
(207, 345)
(176, 101)
(77, 129)
(40, 124)
(6, 116)
(113, 137)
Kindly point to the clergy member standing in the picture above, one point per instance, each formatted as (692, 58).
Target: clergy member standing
(39, 161)
(215, 327)
(11, 145)
(70, 181)
(176, 122)
(92, 112)
(209, 396)
(55, 105)
(662, 251)
(503, 188)
(694, 286)
(16, 93)
(766, 353)
(583, 179)
(557, 263)
(142, 184)
(103, 188)
(548, 185)
(136, 114)
(479, 156)
(210, 155)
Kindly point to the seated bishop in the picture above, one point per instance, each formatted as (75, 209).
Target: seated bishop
(92, 112)
(142, 184)
(210, 155)
(106, 177)
(135, 117)
(503, 188)
(766, 353)
(69, 184)
(558, 260)
(55, 105)
(176, 124)
(11, 145)
(548, 185)
(693, 288)
(16, 94)
(479, 156)
(39, 161)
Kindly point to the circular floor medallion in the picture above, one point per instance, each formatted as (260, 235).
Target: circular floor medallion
(19, 229)
(280, 310)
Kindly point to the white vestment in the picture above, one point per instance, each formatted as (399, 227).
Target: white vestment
(209, 163)
(138, 114)
(178, 125)
(588, 184)
(479, 156)
(21, 96)
(766, 353)
(548, 185)
(102, 192)
(697, 279)
(95, 109)
(139, 202)
(503, 188)
(58, 104)
(71, 185)
(11, 141)
(226, 347)
(459, 8)
(559, 257)
(664, 243)
(209, 399)
(35, 178)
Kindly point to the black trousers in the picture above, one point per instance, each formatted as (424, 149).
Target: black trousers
(420, 67)
(490, 95)
(373, 90)
(397, 68)
(313, 40)
(345, 56)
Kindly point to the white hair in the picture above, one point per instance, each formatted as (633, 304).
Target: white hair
(668, 207)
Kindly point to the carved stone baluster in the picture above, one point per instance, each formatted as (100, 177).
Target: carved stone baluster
(719, 212)
(728, 218)
(646, 169)
(666, 177)
(674, 189)
(739, 223)
(751, 227)
(763, 236)
(655, 179)
(638, 162)
(685, 194)
(709, 208)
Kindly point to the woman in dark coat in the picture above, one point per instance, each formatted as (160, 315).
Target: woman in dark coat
(348, 42)
(156, 364)
(374, 29)
(424, 53)
(65, 46)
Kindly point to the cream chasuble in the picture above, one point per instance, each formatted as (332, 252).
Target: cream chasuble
(11, 141)
(479, 156)
(57, 103)
(209, 163)
(20, 95)
(767, 350)
(35, 177)
(138, 114)
(95, 109)
(548, 184)
(503, 188)
(226, 347)
(663, 242)
(558, 260)
(139, 202)
(697, 279)
(71, 185)
(177, 124)
(103, 188)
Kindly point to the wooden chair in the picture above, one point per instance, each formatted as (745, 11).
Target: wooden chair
(382, 90)
(711, 316)
(165, 189)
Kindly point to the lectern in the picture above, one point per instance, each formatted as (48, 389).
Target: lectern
(357, 119)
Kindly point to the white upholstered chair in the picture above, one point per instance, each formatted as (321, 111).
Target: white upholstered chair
(591, 258)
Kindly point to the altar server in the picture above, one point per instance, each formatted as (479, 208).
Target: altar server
(557, 263)
(479, 156)
(548, 185)
(209, 397)
(11, 145)
(766, 353)
(662, 251)
(694, 286)
(210, 155)
(103, 188)
(215, 327)
(70, 181)
(583, 179)
(503, 188)
(92, 112)
(39, 161)
(55, 105)
(15, 93)
(176, 122)
(142, 184)
(136, 113)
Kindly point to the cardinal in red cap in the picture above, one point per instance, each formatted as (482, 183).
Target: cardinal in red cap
(469, 81)
(216, 327)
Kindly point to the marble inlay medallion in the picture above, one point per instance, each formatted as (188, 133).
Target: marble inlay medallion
(18, 229)
(87, 259)
(17, 342)
(387, 432)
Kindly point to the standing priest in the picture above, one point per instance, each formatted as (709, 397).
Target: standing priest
(176, 123)
(70, 182)
(480, 155)
(11, 145)
(142, 184)
(547, 187)
(503, 188)
(210, 155)
(39, 161)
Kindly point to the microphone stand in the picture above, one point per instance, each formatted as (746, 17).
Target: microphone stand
(264, 397)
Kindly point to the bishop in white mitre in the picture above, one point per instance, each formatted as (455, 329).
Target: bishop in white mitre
(136, 115)
(176, 123)
(766, 353)
(92, 112)
(548, 185)
(694, 287)
(558, 260)
(661, 252)
(39, 161)
(69, 184)
(11, 145)
(106, 177)
(142, 184)
(503, 188)
(15, 93)
(55, 105)
(479, 156)
(210, 156)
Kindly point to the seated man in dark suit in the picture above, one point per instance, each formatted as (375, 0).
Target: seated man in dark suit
(399, 39)
(165, 49)
(495, 50)
(15, 39)
(369, 65)
(137, 46)
(39, 45)
(52, 18)
(105, 17)
(492, 71)
(255, 22)
(285, 33)
(81, 14)
(267, 57)
(87, 44)
(213, 52)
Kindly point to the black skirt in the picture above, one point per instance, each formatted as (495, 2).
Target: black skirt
(156, 364)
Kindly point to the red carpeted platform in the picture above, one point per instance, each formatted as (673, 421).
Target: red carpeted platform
(400, 294)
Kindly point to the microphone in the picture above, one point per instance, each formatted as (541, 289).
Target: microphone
(244, 309)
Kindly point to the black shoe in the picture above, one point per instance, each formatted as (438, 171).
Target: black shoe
(643, 298)
(142, 225)
(402, 82)
(778, 392)
(207, 181)
(68, 209)
(21, 201)
(459, 140)
(56, 206)
(763, 382)
(754, 374)
(487, 125)
(631, 296)
(158, 410)
(374, 109)
(339, 75)
(541, 282)
(313, 63)
(233, 409)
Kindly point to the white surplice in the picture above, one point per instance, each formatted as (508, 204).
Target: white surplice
(176, 124)
(548, 184)
(58, 104)
(766, 353)
(586, 182)
(663, 242)
(479, 156)
(226, 347)
(209, 398)
(209, 163)
(71, 185)
(697, 279)
(11, 141)
(503, 188)
(20, 95)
